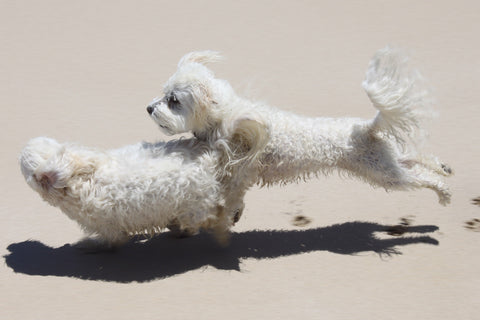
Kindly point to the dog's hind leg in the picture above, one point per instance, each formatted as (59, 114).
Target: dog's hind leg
(441, 188)
(431, 163)
(381, 163)
(427, 174)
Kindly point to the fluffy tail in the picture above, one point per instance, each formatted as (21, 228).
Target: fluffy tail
(403, 101)
(399, 93)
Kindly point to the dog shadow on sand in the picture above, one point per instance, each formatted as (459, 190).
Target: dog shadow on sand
(164, 256)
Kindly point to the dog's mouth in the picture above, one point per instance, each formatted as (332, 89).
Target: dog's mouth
(156, 116)
(166, 129)
(151, 112)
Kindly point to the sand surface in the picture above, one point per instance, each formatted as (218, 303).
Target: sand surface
(84, 71)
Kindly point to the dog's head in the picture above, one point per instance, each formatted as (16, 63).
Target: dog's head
(192, 97)
(195, 101)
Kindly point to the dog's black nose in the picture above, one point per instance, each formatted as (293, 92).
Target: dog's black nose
(149, 109)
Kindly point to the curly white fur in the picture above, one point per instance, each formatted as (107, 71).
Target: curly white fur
(137, 189)
(381, 151)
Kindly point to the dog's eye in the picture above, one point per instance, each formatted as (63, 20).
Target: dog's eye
(173, 102)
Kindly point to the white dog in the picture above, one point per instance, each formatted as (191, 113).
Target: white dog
(138, 189)
(383, 151)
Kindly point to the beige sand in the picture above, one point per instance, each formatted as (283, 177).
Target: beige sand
(84, 71)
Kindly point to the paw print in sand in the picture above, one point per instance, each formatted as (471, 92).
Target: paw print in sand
(401, 228)
(301, 221)
(476, 201)
(473, 225)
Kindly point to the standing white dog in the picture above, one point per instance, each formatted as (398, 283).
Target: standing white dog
(382, 151)
(137, 189)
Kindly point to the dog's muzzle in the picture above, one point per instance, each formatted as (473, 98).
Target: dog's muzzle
(150, 109)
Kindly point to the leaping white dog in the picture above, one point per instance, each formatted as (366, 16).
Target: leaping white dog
(382, 151)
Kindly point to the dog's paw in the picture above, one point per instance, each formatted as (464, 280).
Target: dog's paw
(444, 196)
(237, 215)
(446, 169)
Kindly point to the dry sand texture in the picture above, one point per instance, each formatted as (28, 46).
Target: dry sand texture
(328, 249)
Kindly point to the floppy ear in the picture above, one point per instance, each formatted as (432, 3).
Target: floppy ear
(202, 57)
(248, 138)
